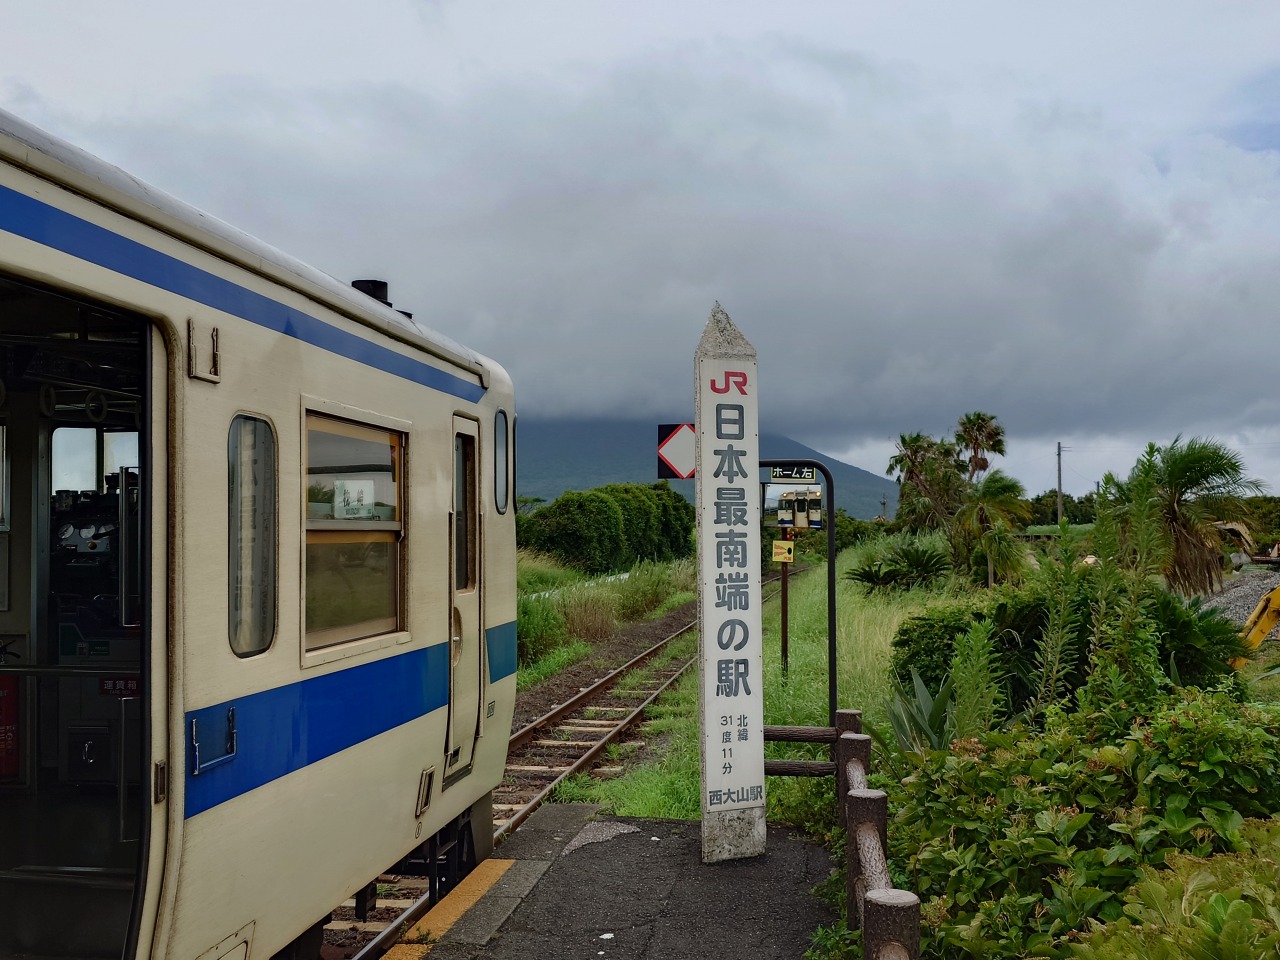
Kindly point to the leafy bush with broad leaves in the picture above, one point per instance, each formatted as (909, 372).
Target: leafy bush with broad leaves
(1226, 907)
(678, 520)
(1015, 846)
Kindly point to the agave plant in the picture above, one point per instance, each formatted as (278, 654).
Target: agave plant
(920, 720)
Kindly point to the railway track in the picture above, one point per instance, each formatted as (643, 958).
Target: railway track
(573, 736)
(570, 738)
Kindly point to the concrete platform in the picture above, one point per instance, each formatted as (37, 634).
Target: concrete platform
(570, 884)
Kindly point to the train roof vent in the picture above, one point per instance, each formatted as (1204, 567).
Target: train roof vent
(374, 288)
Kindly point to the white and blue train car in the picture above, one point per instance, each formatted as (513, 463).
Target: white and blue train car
(257, 577)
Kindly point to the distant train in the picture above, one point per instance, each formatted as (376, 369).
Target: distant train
(801, 509)
(257, 611)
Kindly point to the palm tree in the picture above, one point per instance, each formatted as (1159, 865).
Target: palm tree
(979, 433)
(930, 480)
(1195, 483)
(992, 508)
(914, 450)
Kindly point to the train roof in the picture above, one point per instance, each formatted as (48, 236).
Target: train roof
(51, 158)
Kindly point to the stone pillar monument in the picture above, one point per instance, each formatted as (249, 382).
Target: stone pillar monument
(730, 661)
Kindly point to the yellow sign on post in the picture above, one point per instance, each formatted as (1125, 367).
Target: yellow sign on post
(784, 551)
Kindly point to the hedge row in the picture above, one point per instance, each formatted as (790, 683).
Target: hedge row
(612, 528)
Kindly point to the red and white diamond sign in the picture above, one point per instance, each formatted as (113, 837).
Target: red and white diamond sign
(677, 451)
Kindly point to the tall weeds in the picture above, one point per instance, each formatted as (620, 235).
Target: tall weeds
(979, 699)
(588, 612)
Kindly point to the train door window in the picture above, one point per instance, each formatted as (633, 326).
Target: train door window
(353, 519)
(251, 528)
(464, 521)
(4, 471)
(75, 459)
(501, 460)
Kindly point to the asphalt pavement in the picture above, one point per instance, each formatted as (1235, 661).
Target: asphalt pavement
(571, 884)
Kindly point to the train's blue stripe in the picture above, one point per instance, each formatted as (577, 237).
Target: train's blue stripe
(27, 217)
(282, 730)
(502, 651)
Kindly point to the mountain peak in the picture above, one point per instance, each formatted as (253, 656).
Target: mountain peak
(555, 455)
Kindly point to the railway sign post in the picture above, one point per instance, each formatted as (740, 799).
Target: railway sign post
(676, 450)
(730, 630)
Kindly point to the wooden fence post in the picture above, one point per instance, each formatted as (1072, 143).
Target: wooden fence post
(865, 846)
(891, 925)
(847, 721)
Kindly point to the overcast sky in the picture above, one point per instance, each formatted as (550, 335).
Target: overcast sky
(1065, 214)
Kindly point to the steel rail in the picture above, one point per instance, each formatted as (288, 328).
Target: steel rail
(588, 758)
(574, 703)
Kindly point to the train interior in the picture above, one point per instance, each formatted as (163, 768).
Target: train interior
(73, 624)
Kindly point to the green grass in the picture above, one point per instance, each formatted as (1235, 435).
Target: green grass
(645, 589)
(1266, 690)
(668, 786)
(673, 601)
(557, 623)
(551, 663)
(538, 573)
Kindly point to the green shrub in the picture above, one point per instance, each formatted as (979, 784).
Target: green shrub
(678, 521)
(1225, 907)
(580, 529)
(539, 628)
(1198, 640)
(925, 643)
(1014, 847)
(977, 677)
(641, 521)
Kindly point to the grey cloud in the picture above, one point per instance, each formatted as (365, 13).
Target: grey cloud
(897, 252)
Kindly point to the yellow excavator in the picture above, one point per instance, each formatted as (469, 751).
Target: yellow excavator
(1261, 622)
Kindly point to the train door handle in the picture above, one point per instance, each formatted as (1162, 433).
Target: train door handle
(229, 753)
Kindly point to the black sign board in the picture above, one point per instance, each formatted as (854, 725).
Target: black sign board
(793, 471)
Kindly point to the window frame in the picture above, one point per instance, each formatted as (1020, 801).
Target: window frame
(328, 644)
(502, 467)
(274, 536)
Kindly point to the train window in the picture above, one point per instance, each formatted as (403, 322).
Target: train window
(4, 471)
(251, 528)
(501, 457)
(353, 516)
(464, 519)
(75, 459)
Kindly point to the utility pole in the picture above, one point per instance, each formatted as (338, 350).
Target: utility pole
(1059, 481)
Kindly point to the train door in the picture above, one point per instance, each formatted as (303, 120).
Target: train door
(75, 626)
(465, 647)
